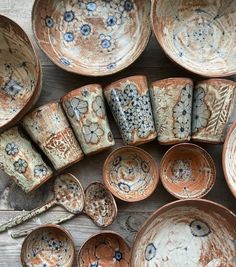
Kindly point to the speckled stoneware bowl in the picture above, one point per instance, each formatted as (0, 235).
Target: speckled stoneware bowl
(228, 158)
(20, 73)
(187, 171)
(198, 35)
(48, 246)
(213, 103)
(192, 233)
(130, 173)
(93, 38)
(106, 249)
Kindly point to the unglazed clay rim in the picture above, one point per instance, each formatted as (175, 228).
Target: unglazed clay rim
(53, 226)
(174, 204)
(141, 50)
(232, 189)
(96, 235)
(207, 157)
(154, 166)
(172, 79)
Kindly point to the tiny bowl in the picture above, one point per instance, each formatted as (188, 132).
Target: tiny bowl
(187, 171)
(130, 173)
(93, 38)
(48, 245)
(20, 73)
(104, 249)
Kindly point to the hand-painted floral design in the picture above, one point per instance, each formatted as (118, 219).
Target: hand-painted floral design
(21, 165)
(69, 16)
(150, 252)
(199, 228)
(76, 107)
(12, 87)
(98, 106)
(181, 170)
(12, 149)
(106, 42)
(40, 171)
(92, 133)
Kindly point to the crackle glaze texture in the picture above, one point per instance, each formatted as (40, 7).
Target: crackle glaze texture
(213, 103)
(103, 250)
(172, 109)
(85, 109)
(20, 160)
(189, 233)
(130, 173)
(49, 128)
(92, 37)
(130, 104)
(20, 75)
(198, 35)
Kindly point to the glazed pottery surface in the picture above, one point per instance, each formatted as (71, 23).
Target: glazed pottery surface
(20, 73)
(130, 173)
(103, 250)
(93, 38)
(213, 103)
(187, 171)
(198, 35)
(193, 233)
(49, 128)
(85, 109)
(48, 246)
(19, 159)
(172, 109)
(130, 104)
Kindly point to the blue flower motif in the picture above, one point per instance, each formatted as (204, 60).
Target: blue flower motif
(69, 37)
(91, 6)
(128, 5)
(65, 61)
(69, 16)
(199, 228)
(111, 21)
(150, 252)
(12, 88)
(124, 187)
(118, 256)
(111, 66)
(85, 29)
(49, 22)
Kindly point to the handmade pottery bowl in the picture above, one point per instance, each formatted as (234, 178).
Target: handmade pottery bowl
(85, 109)
(49, 245)
(93, 38)
(184, 233)
(49, 128)
(20, 160)
(104, 249)
(172, 109)
(20, 74)
(130, 173)
(130, 104)
(198, 35)
(213, 103)
(187, 171)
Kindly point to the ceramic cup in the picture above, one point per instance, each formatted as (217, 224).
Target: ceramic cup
(130, 104)
(19, 159)
(49, 128)
(172, 107)
(213, 102)
(85, 109)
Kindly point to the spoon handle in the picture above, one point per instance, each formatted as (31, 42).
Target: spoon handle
(22, 218)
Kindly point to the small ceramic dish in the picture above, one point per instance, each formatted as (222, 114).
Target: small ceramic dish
(48, 245)
(93, 38)
(228, 158)
(186, 233)
(198, 35)
(20, 73)
(187, 171)
(130, 173)
(104, 249)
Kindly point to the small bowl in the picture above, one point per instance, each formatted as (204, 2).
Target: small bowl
(93, 38)
(187, 171)
(198, 35)
(130, 173)
(20, 73)
(48, 245)
(104, 249)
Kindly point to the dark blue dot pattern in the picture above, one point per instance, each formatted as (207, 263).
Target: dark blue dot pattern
(85, 29)
(69, 16)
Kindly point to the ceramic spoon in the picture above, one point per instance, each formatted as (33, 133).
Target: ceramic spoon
(68, 194)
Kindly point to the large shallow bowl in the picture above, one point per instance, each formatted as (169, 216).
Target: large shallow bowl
(198, 35)
(20, 73)
(196, 233)
(93, 38)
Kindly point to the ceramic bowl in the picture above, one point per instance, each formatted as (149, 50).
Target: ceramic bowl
(198, 35)
(48, 245)
(187, 171)
(104, 249)
(130, 173)
(93, 38)
(186, 233)
(20, 73)
(228, 158)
